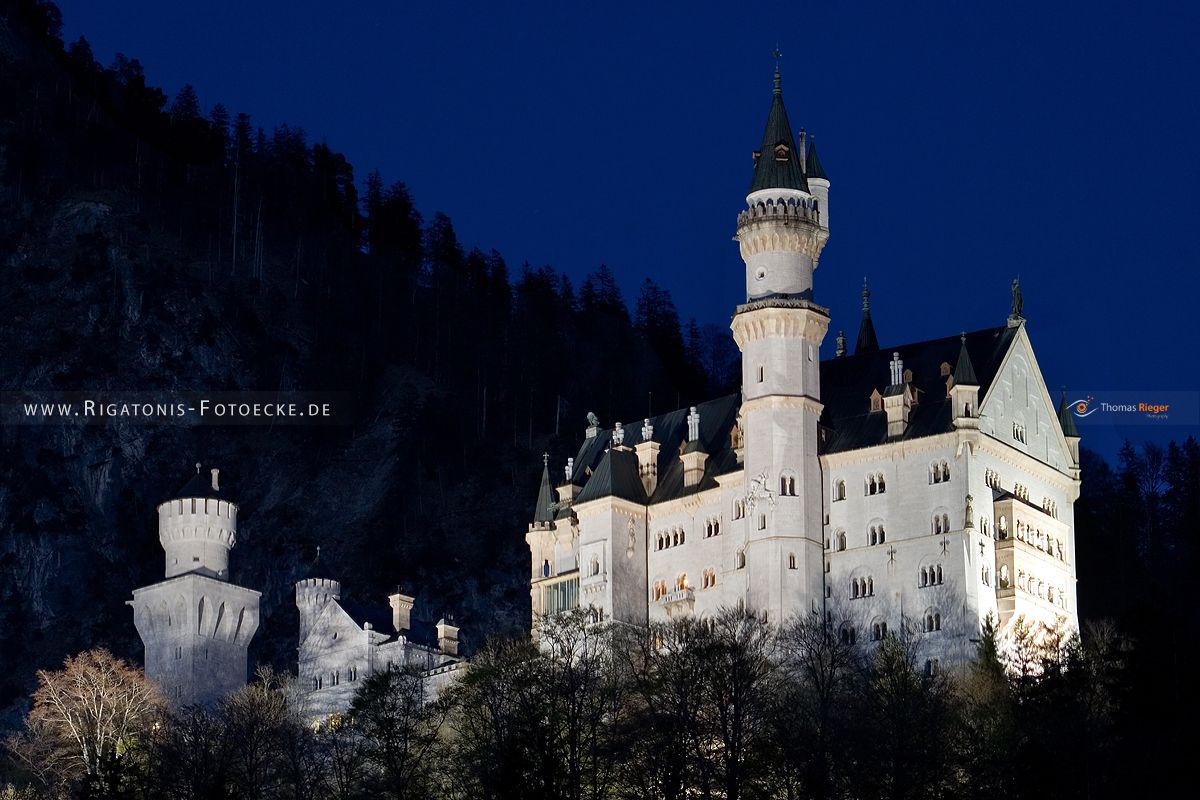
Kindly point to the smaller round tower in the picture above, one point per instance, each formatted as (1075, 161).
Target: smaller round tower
(312, 594)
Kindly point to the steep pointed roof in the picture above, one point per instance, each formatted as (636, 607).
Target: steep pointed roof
(544, 512)
(964, 372)
(812, 164)
(867, 342)
(777, 163)
(1065, 418)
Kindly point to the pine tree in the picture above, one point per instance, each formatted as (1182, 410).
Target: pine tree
(186, 106)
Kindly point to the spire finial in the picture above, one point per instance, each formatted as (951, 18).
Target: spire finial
(545, 459)
(841, 344)
(866, 295)
(778, 77)
(197, 467)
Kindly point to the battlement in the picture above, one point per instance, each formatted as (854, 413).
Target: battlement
(319, 584)
(788, 211)
(206, 506)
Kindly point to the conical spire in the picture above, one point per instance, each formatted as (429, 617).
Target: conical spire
(812, 164)
(777, 164)
(867, 341)
(1065, 418)
(964, 371)
(545, 500)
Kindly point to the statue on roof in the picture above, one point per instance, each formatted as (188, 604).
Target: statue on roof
(593, 420)
(1018, 302)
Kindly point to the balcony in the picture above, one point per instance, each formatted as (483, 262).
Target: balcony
(679, 602)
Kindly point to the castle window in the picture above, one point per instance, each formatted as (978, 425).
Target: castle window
(337, 677)
(682, 535)
(882, 535)
(681, 582)
(595, 566)
(839, 491)
(741, 559)
(878, 631)
(316, 684)
(761, 371)
(924, 579)
(828, 591)
(933, 621)
(882, 486)
(546, 568)
(353, 674)
(791, 560)
(762, 522)
(847, 635)
(841, 541)
(932, 667)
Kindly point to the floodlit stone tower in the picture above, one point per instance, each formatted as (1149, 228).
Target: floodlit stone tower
(779, 330)
(195, 625)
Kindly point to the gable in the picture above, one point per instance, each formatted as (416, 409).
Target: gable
(1017, 408)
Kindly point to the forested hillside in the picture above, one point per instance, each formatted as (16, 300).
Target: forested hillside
(147, 246)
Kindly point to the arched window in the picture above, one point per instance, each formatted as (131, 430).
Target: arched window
(870, 586)
(741, 559)
(595, 567)
(882, 535)
(841, 541)
(762, 522)
(882, 485)
(791, 487)
(791, 560)
(939, 573)
(839, 491)
(546, 569)
(681, 582)
(872, 487)
(924, 579)
(874, 536)
(945, 523)
(682, 535)
(945, 472)
(854, 589)
(1004, 576)
(937, 524)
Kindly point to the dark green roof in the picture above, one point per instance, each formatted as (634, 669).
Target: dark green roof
(199, 486)
(812, 164)
(781, 170)
(964, 373)
(1065, 418)
(615, 476)
(544, 512)
(867, 341)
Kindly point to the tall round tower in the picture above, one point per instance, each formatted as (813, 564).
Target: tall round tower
(313, 593)
(779, 330)
(196, 626)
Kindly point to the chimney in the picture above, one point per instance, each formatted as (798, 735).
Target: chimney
(215, 483)
(402, 606)
(447, 637)
(647, 456)
(897, 400)
(693, 455)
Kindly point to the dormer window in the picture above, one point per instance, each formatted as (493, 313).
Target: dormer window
(781, 152)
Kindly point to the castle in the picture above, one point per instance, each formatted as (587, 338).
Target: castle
(196, 626)
(343, 642)
(928, 484)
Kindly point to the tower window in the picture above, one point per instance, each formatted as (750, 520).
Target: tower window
(760, 374)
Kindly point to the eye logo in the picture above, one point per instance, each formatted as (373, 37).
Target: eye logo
(1081, 407)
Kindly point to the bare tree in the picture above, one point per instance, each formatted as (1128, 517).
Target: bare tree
(86, 715)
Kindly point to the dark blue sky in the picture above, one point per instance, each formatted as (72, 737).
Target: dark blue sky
(966, 143)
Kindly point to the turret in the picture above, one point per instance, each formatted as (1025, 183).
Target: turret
(963, 388)
(314, 592)
(197, 529)
(780, 233)
(867, 341)
(779, 331)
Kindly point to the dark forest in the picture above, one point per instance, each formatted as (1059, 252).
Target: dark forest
(149, 245)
